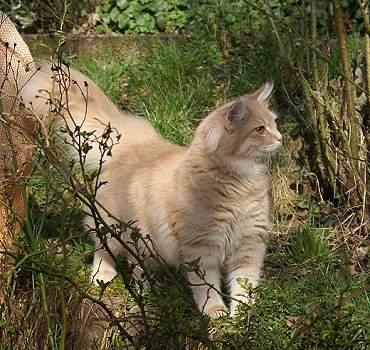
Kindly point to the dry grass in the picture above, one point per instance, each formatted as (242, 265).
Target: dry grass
(284, 180)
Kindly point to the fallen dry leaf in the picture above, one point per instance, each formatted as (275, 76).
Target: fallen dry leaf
(290, 320)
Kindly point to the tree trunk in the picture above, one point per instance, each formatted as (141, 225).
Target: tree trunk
(349, 88)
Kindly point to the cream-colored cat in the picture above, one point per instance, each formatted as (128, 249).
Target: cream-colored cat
(209, 200)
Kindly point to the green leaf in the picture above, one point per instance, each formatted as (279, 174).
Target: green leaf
(86, 148)
(244, 282)
(134, 9)
(114, 14)
(123, 21)
(105, 6)
(158, 6)
(146, 23)
(145, 2)
(122, 4)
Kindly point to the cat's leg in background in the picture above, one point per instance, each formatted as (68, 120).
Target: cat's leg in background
(205, 289)
(246, 262)
(104, 267)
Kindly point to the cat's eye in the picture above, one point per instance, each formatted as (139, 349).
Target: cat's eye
(261, 130)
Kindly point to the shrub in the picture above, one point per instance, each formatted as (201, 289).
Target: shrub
(143, 16)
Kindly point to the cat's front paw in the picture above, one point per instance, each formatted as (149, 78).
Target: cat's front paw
(235, 305)
(216, 311)
(104, 275)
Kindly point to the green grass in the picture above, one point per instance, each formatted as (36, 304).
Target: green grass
(171, 86)
(107, 75)
(303, 312)
(311, 301)
(175, 84)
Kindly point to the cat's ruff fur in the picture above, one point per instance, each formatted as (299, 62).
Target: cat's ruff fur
(209, 200)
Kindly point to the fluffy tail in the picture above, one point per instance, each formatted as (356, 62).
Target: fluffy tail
(82, 104)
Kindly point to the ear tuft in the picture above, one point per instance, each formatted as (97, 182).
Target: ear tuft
(213, 134)
(264, 92)
(236, 113)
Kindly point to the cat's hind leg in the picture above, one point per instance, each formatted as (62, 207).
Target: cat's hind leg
(104, 266)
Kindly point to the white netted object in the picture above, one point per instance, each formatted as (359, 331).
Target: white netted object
(16, 65)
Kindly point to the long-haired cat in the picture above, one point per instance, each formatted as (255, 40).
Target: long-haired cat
(208, 200)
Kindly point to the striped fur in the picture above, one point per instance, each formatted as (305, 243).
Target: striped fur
(209, 200)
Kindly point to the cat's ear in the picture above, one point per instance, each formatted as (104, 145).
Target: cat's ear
(236, 113)
(263, 93)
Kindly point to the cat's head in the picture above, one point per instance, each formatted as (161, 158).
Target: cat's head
(242, 129)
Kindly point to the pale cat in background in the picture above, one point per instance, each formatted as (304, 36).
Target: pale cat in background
(209, 200)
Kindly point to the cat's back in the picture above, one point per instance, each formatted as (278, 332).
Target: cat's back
(143, 154)
(141, 170)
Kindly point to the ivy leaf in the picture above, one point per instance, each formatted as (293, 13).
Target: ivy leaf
(104, 7)
(158, 6)
(122, 4)
(114, 14)
(123, 21)
(145, 2)
(105, 18)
